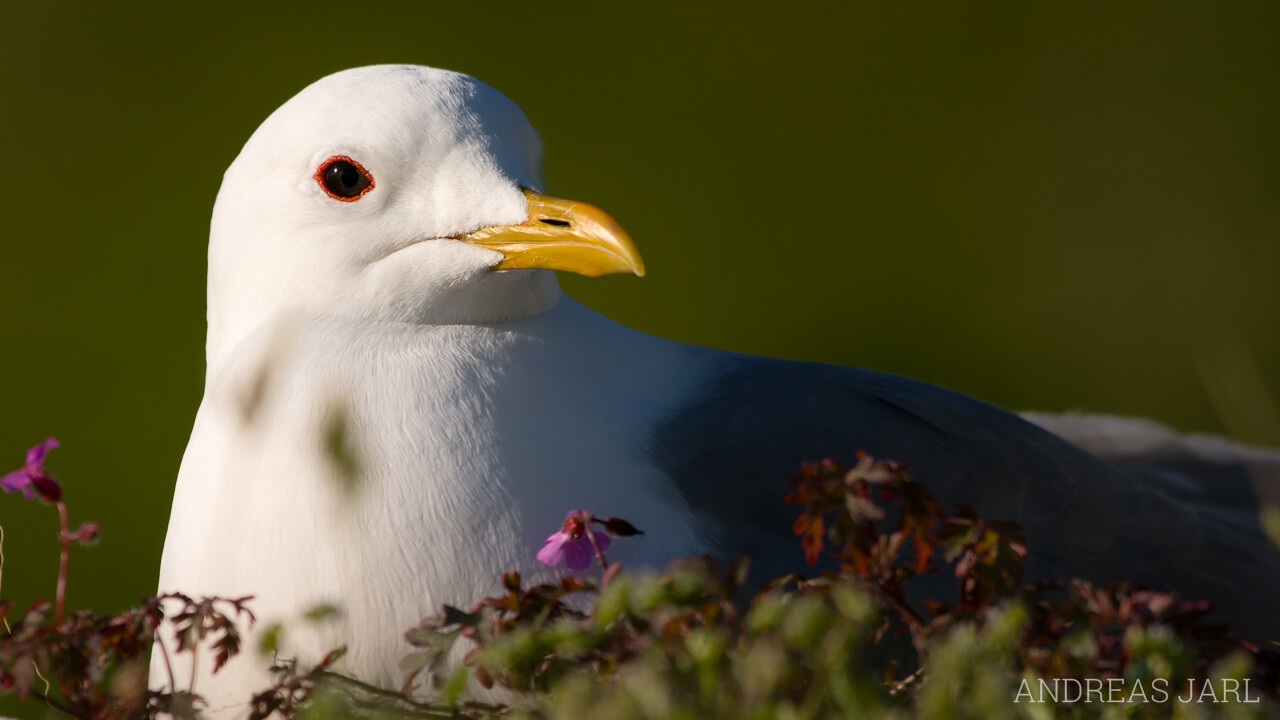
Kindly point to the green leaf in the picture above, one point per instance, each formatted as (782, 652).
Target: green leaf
(320, 613)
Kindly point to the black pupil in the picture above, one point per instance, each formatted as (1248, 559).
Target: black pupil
(344, 179)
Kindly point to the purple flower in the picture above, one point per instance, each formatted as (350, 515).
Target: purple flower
(572, 544)
(32, 479)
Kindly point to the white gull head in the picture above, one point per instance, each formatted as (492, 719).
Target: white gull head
(349, 201)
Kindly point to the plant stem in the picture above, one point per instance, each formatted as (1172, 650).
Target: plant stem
(65, 537)
(168, 666)
(591, 537)
(422, 709)
(54, 704)
(915, 623)
(195, 661)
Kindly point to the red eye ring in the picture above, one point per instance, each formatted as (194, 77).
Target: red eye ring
(344, 179)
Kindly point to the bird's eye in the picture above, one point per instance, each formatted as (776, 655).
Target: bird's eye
(344, 179)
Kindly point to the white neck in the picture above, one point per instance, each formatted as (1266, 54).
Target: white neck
(495, 298)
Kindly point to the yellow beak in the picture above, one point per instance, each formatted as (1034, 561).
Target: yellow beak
(562, 235)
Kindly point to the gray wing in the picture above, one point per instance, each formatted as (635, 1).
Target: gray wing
(733, 446)
(1202, 468)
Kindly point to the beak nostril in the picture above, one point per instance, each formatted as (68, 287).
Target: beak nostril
(556, 223)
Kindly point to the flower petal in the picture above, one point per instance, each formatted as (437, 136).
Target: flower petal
(577, 554)
(18, 480)
(602, 540)
(553, 551)
(36, 455)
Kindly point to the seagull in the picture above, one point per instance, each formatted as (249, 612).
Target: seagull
(400, 403)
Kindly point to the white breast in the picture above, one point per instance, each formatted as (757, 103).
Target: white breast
(471, 443)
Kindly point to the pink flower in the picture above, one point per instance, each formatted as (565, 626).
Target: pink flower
(32, 478)
(572, 544)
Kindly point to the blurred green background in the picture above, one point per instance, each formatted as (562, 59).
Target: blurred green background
(1048, 206)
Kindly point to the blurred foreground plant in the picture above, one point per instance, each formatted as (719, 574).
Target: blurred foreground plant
(684, 644)
(99, 662)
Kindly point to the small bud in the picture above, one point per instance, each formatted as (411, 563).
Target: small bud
(88, 533)
(620, 527)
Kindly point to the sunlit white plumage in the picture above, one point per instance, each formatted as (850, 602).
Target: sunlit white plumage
(479, 405)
